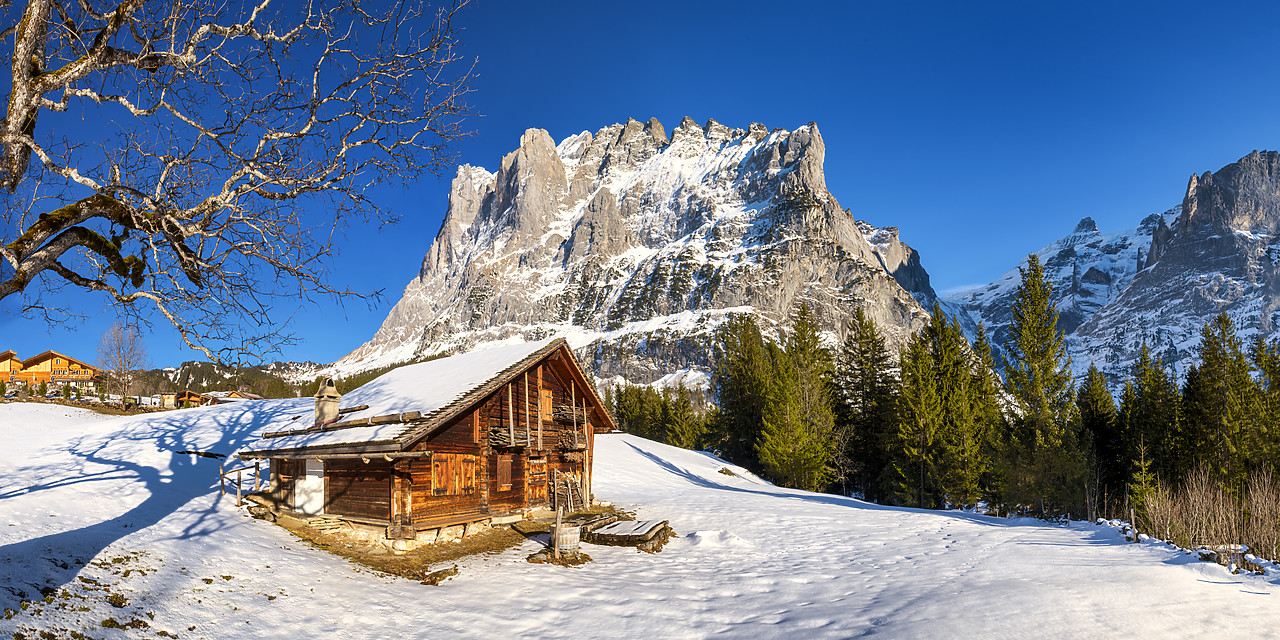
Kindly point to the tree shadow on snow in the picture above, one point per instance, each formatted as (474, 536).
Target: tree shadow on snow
(141, 457)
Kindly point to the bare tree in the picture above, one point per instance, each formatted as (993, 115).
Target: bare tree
(236, 142)
(122, 355)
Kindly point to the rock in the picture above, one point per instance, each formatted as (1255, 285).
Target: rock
(640, 246)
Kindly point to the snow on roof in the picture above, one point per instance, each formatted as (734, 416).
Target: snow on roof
(425, 387)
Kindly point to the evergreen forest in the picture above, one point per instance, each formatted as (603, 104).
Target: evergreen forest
(935, 426)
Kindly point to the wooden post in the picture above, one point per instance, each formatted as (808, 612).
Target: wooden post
(1133, 524)
(539, 407)
(222, 480)
(555, 538)
(257, 476)
(526, 408)
(511, 419)
(238, 487)
(573, 405)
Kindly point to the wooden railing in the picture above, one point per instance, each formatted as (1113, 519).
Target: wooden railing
(224, 475)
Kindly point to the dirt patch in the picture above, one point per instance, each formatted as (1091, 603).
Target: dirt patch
(419, 564)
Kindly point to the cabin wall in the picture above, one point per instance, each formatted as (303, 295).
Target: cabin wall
(358, 489)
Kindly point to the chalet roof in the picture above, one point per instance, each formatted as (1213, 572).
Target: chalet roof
(36, 359)
(9, 355)
(423, 395)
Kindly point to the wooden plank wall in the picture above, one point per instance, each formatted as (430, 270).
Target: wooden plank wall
(283, 474)
(356, 488)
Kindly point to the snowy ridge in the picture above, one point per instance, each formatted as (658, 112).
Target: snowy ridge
(1158, 284)
(636, 247)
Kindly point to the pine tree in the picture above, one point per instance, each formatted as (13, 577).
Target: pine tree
(1152, 418)
(865, 401)
(1266, 359)
(682, 426)
(744, 373)
(795, 445)
(1226, 405)
(960, 456)
(1144, 482)
(1099, 419)
(1044, 465)
(986, 390)
(920, 412)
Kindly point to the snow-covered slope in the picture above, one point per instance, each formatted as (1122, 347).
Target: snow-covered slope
(636, 247)
(107, 507)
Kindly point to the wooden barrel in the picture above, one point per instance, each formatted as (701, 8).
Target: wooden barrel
(566, 538)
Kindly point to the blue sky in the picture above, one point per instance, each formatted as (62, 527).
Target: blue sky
(982, 131)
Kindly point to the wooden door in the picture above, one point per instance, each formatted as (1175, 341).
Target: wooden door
(537, 481)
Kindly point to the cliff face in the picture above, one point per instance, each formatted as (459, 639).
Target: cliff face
(636, 245)
(1159, 283)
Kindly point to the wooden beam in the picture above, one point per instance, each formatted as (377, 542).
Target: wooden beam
(511, 418)
(539, 407)
(526, 408)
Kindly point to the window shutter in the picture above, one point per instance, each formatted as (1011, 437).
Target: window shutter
(546, 405)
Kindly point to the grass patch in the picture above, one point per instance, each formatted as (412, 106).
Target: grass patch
(416, 564)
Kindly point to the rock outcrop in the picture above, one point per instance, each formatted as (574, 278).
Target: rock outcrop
(636, 246)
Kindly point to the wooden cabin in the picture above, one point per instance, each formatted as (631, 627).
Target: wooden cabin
(474, 437)
(10, 365)
(182, 399)
(57, 369)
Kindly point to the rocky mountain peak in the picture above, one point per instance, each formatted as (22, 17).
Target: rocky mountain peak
(1086, 225)
(637, 246)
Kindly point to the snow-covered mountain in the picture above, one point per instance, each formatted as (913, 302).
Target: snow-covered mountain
(636, 247)
(1088, 269)
(1160, 282)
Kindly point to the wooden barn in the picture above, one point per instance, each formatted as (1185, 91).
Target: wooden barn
(470, 438)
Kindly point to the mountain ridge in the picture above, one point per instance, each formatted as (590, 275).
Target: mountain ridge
(636, 246)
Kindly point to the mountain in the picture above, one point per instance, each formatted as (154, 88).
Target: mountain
(1159, 283)
(1088, 270)
(636, 246)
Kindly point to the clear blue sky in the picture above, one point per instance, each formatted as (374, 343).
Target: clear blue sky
(982, 130)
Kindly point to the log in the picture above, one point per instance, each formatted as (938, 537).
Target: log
(568, 414)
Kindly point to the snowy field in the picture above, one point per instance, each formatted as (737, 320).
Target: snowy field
(93, 507)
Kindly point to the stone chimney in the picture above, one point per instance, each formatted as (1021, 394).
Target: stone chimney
(327, 398)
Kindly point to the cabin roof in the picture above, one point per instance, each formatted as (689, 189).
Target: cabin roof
(9, 355)
(36, 359)
(425, 395)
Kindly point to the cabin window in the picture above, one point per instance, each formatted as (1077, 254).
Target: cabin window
(546, 405)
(453, 474)
(504, 472)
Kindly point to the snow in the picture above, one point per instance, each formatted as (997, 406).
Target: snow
(93, 506)
(424, 387)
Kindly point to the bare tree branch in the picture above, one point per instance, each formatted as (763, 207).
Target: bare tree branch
(250, 136)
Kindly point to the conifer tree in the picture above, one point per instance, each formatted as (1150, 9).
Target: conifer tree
(1225, 405)
(1044, 464)
(681, 425)
(795, 445)
(960, 456)
(1099, 420)
(1266, 359)
(744, 373)
(865, 401)
(987, 388)
(1152, 418)
(920, 411)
